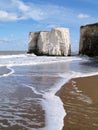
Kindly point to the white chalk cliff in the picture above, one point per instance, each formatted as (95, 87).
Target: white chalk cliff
(56, 42)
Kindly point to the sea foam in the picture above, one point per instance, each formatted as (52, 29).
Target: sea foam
(52, 104)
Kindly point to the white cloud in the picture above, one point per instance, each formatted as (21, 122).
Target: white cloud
(5, 16)
(83, 16)
(18, 10)
(49, 14)
(27, 11)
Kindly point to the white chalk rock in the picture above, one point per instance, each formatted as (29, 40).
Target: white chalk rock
(56, 42)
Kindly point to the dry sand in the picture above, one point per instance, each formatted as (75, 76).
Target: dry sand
(80, 98)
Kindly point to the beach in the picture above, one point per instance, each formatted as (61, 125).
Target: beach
(28, 85)
(80, 100)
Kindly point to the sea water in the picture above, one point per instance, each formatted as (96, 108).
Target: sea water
(28, 85)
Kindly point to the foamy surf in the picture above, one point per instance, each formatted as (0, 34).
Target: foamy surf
(25, 59)
(56, 67)
(10, 71)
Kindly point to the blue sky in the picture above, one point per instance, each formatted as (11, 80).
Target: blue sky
(19, 17)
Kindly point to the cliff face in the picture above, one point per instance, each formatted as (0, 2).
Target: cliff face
(89, 40)
(33, 38)
(56, 42)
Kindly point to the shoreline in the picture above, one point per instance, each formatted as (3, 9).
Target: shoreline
(80, 101)
(4, 70)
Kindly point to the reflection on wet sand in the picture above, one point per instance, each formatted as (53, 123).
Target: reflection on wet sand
(21, 98)
(21, 110)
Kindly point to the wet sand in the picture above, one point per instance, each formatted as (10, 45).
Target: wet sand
(80, 98)
(21, 110)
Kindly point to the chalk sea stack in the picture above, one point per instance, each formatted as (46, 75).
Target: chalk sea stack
(53, 43)
(89, 40)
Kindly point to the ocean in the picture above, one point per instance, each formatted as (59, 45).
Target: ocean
(28, 85)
